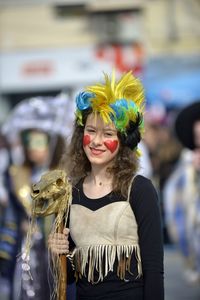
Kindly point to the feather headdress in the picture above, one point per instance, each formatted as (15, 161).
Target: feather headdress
(116, 101)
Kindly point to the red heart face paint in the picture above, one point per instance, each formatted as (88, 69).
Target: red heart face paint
(86, 140)
(111, 145)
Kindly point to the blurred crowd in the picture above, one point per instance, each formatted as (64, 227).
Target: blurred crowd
(33, 140)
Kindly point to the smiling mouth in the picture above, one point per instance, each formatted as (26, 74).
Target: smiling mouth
(96, 151)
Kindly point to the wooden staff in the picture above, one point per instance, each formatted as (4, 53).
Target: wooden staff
(54, 185)
(62, 285)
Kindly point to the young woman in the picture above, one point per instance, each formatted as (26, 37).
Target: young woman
(114, 221)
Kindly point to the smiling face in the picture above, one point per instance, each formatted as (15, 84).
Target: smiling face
(100, 141)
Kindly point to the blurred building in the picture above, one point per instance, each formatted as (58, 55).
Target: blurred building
(48, 46)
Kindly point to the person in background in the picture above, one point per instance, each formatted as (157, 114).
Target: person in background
(164, 151)
(115, 232)
(4, 163)
(145, 167)
(182, 192)
(42, 151)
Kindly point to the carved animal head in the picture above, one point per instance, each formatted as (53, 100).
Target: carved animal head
(51, 194)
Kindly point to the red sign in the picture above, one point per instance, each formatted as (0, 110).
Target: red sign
(124, 57)
(36, 68)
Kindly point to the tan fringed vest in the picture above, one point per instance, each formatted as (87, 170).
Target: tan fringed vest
(102, 237)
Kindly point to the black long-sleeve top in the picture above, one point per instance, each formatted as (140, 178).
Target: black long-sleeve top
(145, 205)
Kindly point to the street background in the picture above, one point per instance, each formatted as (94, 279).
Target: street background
(51, 48)
(176, 288)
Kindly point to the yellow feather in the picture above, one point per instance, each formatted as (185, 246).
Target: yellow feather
(113, 80)
(128, 87)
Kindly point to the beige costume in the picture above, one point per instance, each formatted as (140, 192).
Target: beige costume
(102, 237)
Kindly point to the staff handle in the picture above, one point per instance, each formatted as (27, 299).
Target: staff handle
(62, 284)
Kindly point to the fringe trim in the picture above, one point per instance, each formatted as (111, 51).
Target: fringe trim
(101, 258)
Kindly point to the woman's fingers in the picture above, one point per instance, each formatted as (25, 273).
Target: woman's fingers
(61, 249)
(58, 248)
(58, 242)
(66, 231)
(58, 235)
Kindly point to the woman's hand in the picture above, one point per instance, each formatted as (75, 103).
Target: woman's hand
(58, 242)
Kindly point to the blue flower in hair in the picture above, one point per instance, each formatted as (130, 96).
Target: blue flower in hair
(120, 118)
(132, 104)
(83, 100)
(119, 107)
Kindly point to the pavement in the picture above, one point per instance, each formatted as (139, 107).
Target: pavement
(176, 287)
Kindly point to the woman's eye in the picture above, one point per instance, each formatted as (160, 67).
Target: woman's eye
(108, 134)
(90, 130)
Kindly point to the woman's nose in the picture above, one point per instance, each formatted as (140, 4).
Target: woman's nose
(97, 140)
